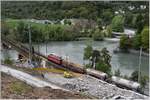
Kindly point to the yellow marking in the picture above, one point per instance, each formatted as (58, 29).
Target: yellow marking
(58, 71)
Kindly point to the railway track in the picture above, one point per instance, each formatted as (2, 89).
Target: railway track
(74, 67)
(25, 51)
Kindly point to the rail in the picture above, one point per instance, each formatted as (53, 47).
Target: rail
(25, 51)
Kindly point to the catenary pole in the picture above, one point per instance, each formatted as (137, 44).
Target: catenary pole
(140, 57)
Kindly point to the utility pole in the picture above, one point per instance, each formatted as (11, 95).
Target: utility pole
(140, 57)
(46, 47)
(30, 44)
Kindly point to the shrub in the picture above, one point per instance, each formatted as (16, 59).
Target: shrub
(98, 35)
(117, 23)
(109, 31)
(88, 66)
(19, 87)
(137, 41)
(8, 61)
(134, 76)
(145, 38)
(117, 73)
(102, 66)
(124, 43)
(88, 52)
(143, 79)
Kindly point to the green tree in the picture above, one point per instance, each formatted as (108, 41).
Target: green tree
(137, 41)
(129, 18)
(109, 31)
(107, 16)
(4, 28)
(117, 73)
(67, 22)
(100, 23)
(22, 32)
(88, 52)
(95, 57)
(102, 66)
(143, 79)
(124, 43)
(134, 76)
(8, 61)
(104, 61)
(145, 38)
(98, 35)
(118, 23)
(139, 23)
(106, 57)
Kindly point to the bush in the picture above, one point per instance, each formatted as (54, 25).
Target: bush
(102, 66)
(124, 43)
(145, 38)
(98, 35)
(136, 41)
(88, 52)
(8, 61)
(88, 66)
(109, 31)
(118, 23)
(143, 79)
(117, 73)
(134, 76)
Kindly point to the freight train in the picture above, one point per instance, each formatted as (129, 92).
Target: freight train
(97, 74)
(69, 65)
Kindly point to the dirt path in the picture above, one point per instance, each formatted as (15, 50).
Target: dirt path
(28, 78)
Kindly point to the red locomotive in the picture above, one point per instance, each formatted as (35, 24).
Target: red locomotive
(69, 65)
(55, 59)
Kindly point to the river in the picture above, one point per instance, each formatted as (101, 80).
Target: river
(126, 63)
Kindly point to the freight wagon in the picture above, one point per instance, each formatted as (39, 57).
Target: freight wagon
(125, 83)
(97, 74)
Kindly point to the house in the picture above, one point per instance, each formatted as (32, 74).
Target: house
(128, 32)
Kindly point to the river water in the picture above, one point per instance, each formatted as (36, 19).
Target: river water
(126, 63)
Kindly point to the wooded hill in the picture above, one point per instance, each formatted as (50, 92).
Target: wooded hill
(104, 10)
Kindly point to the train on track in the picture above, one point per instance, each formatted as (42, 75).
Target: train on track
(97, 74)
(69, 65)
(76, 67)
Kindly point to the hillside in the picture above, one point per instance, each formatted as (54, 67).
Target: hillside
(16, 89)
(104, 10)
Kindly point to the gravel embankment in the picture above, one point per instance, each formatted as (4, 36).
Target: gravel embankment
(92, 86)
(10, 90)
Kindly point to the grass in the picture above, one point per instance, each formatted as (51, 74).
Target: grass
(19, 87)
(13, 23)
(8, 61)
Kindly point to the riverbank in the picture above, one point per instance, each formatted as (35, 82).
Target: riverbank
(132, 51)
(125, 62)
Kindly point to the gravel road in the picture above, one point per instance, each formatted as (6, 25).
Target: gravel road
(92, 86)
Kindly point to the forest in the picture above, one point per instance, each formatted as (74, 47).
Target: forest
(108, 15)
(95, 10)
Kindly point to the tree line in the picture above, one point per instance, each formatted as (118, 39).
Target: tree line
(95, 10)
(136, 42)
